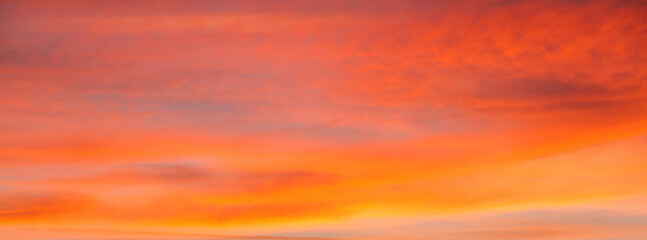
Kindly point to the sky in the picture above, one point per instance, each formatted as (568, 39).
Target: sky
(323, 120)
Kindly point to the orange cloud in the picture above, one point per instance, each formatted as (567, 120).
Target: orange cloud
(279, 116)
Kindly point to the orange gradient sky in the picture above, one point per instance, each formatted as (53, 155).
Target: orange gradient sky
(323, 119)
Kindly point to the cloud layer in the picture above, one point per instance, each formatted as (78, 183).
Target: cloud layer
(262, 117)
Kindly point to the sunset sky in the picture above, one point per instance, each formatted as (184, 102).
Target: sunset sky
(323, 120)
